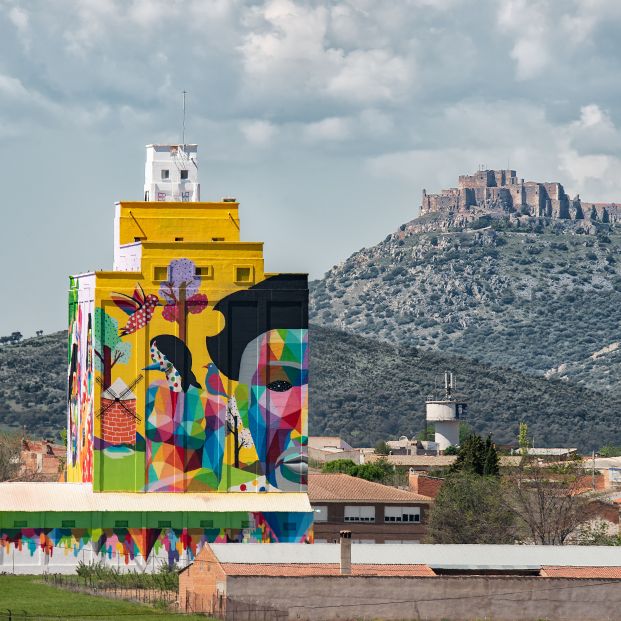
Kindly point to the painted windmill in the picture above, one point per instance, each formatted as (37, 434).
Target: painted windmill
(118, 412)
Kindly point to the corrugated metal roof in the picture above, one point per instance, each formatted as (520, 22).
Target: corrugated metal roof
(345, 488)
(34, 496)
(435, 556)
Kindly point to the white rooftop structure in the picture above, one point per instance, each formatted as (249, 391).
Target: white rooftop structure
(49, 497)
(171, 173)
(463, 557)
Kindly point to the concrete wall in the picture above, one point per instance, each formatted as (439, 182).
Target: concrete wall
(434, 598)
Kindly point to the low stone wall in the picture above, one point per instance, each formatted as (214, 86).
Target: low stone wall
(455, 598)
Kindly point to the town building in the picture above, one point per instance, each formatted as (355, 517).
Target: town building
(374, 513)
(187, 391)
(434, 582)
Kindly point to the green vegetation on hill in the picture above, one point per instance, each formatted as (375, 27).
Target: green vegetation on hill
(542, 301)
(33, 384)
(362, 389)
(367, 390)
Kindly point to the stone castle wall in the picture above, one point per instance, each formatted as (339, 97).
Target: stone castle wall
(501, 191)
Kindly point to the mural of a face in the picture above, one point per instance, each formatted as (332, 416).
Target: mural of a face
(272, 396)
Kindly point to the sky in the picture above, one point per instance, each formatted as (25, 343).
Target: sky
(326, 119)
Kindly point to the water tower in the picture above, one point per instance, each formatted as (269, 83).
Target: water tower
(445, 414)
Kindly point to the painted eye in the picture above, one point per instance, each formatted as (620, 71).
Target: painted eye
(279, 386)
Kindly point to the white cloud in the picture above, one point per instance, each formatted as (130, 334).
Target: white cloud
(257, 132)
(332, 129)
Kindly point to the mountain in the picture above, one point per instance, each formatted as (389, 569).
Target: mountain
(361, 388)
(515, 275)
(33, 384)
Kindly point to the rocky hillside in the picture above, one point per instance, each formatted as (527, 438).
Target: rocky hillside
(33, 384)
(362, 389)
(535, 295)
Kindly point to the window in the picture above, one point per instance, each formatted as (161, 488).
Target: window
(165, 174)
(243, 274)
(146, 196)
(204, 271)
(160, 273)
(68, 523)
(178, 238)
(401, 514)
(164, 524)
(217, 239)
(184, 174)
(121, 524)
(20, 524)
(321, 513)
(355, 513)
(206, 523)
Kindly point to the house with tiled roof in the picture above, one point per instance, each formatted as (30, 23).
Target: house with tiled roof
(374, 513)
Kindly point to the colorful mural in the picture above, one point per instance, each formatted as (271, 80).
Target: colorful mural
(131, 540)
(160, 424)
(200, 378)
(80, 389)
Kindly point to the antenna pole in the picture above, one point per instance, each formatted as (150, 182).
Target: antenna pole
(183, 126)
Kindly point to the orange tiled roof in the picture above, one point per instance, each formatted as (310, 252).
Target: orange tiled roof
(553, 571)
(342, 487)
(323, 569)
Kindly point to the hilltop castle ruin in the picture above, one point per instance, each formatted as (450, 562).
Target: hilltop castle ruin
(498, 192)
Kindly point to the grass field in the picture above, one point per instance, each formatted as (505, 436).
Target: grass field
(27, 597)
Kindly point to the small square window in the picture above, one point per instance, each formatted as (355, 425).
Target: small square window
(243, 274)
(203, 271)
(20, 524)
(206, 523)
(164, 524)
(165, 174)
(121, 524)
(217, 239)
(178, 238)
(184, 174)
(68, 523)
(160, 273)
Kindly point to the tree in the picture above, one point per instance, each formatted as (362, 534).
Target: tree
(547, 499)
(379, 471)
(242, 438)
(381, 448)
(109, 348)
(523, 438)
(477, 457)
(471, 509)
(181, 294)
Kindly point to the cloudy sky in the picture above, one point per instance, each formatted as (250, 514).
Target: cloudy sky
(325, 118)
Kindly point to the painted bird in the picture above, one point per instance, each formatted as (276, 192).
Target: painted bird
(170, 356)
(139, 308)
(213, 381)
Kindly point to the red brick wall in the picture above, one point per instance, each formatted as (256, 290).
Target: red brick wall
(198, 584)
(117, 426)
(422, 484)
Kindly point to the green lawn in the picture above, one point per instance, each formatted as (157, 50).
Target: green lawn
(28, 597)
